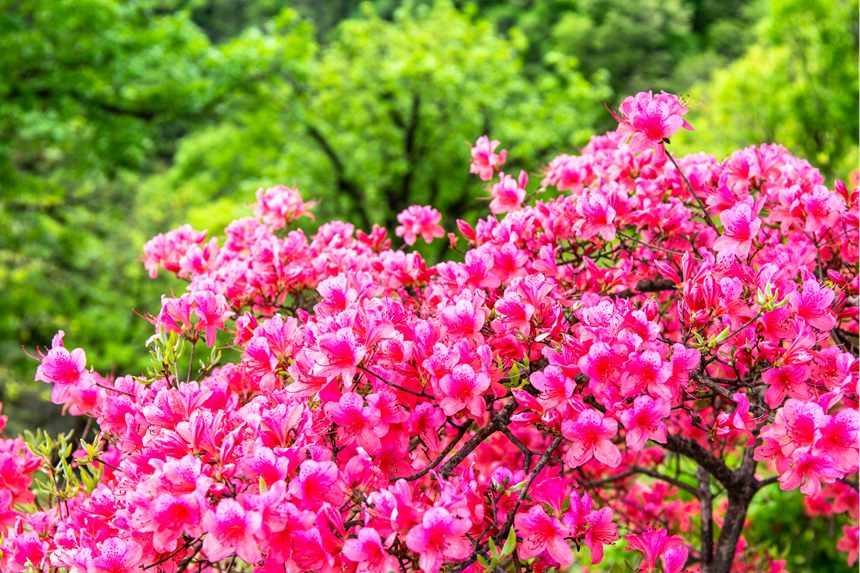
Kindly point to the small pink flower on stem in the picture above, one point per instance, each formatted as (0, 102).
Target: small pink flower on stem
(540, 533)
(508, 194)
(440, 537)
(740, 228)
(485, 161)
(650, 119)
(591, 436)
(230, 530)
(657, 544)
(418, 220)
(644, 421)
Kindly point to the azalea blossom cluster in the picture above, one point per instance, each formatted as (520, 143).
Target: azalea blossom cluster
(626, 359)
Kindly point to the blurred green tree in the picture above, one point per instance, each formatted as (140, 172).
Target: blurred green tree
(796, 85)
(382, 117)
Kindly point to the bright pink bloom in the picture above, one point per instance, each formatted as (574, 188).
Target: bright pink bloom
(813, 305)
(644, 421)
(555, 387)
(115, 555)
(485, 161)
(597, 217)
(339, 354)
(849, 543)
(839, 440)
(62, 368)
(317, 482)
(657, 544)
(508, 194)
(230, 530)
(740, 228)
(601, 531)
(540, 533)
(417, 220)
(809, 470)
(367, 550)
(440, 537)
(279, 206)
(785, 381)
(463, 388)
(650, 119)
(357, 422)
(591, 436)
(212, 310)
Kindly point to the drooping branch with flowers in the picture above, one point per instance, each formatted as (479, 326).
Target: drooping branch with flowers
(632, 353)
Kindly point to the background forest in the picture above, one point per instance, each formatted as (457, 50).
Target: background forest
(123, 118)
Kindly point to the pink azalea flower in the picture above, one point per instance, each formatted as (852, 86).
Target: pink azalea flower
(813, 305)
(597, 217)
(809, 470)
(601, 531)
(644, 421)
(839, 440)
(212, 310)
(540, 533)
(650, 119)
(591, 436)
(555, 387)
(463, 388)
(508, 194)
(317, 482)
(417, 220)
(367, 551)
(230, 530)
(657, 544)
(116, 555)
(279, 206)
(485, 161)
(740, 228)
(785, 380)
(849, 543)
(62, 368)
(440, 537)
(357, 422)
(339, 355)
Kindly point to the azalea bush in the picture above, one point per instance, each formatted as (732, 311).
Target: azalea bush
(626, 354)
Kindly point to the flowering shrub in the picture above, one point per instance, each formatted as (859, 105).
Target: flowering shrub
(631, 355)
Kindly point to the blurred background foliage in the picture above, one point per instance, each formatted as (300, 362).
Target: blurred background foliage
(123, 118)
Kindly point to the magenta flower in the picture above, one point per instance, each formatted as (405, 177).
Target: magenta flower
(418, 220)
(657, 544)
(485, 161)
(62, 368)
(597, 217)
(463, 388)
(115, 555)
(317, 482)
(540, 533)
(812, 304)
(230, 530)
(339, 355)
(650, 119)
(591, 436)
(785, 380)
(555, 387)
(212, 310)
(368, 552)
(508, 194)
(644, 421)
(809, 470)
(601, 531)
(740, 228)
(357, 422)
(440, 537)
